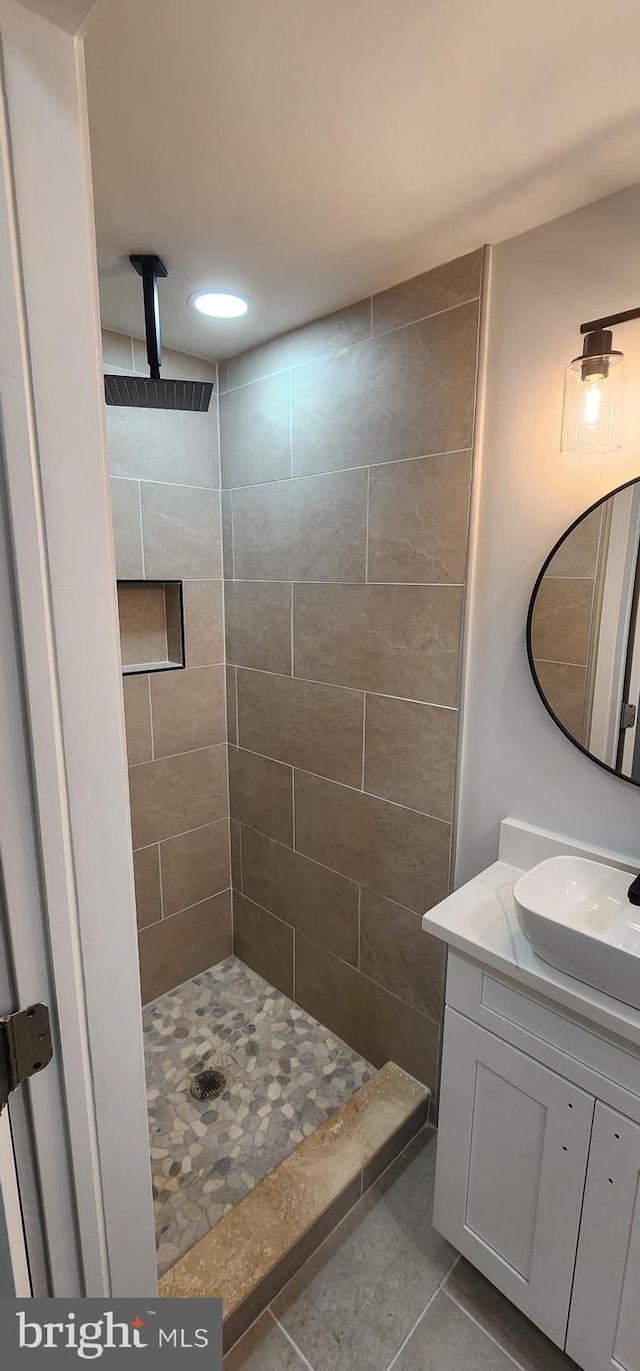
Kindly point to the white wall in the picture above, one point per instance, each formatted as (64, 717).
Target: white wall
(514, 761)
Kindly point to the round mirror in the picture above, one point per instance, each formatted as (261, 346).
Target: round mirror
(583, 632)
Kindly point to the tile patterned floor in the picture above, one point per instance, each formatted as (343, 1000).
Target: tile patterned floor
(285, 1074)
(385, 1291)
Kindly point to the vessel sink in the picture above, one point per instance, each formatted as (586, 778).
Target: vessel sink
(576, 915)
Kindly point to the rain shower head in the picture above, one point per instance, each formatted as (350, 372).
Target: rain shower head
(152, 391)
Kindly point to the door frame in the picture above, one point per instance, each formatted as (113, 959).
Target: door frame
(72, 900)
(11, 1214)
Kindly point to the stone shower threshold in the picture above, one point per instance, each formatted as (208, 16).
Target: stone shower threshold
(251, 1254)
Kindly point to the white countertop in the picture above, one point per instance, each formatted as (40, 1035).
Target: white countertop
(480, 920)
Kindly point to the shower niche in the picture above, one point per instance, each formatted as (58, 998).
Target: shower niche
(151, 626)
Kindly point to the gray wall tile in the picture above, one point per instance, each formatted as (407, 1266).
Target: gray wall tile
(255, 432)
(181, 532)
(137, 718)
(176, 794)
(177, 366)
(127, 528)
(263, 942)
(195, 866)
(232, 693)
(316, 727)
(314, 900)
(385, 619)
(188, 709)
(163, 445)
(258, 624)
(146, 876)
(388, 639)
(307, 530)
(261, 794)
(391, 850)
(177, 948)
(203, 622)
(404, 394)
(228, 566)
(375, 1023)
(410, 754)
(419, 520)
(435, 290)
(235, 835)
(329, 334)
(397, 953)
(183, 787)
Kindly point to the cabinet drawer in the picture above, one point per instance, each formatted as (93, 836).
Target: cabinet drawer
(513, 1141)
(593, 1061)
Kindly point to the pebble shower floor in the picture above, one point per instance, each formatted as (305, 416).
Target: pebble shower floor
(285, 1074)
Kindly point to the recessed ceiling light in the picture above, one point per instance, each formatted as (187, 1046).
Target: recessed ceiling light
(219, 304)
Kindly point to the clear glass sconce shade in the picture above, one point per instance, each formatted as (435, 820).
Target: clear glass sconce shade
(593, 403)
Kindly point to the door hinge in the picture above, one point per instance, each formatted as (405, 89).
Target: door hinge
(25, 1047)
(628, 715)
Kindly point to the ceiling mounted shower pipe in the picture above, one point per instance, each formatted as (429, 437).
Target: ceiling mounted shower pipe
(153, 391)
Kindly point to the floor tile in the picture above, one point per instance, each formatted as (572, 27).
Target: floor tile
(507, 1325)
(352, 1305)
(285, 1073)
(264, 1348)
(446, 1339)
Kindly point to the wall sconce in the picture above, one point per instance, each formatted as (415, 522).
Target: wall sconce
(594, 390)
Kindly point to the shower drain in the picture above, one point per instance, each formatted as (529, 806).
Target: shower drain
(207, 1085)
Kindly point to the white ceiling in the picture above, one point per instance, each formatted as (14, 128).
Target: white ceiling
(310, 152)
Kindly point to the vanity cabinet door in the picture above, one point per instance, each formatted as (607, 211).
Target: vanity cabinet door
(513, 1141)
(604, 1325)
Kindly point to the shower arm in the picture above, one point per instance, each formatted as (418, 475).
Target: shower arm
(150, 267)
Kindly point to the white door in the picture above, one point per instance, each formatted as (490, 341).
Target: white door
(513, 1143)
(604, 1326)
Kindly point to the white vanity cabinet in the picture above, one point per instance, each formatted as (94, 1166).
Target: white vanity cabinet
(604, 1320)
(538, 1168)
(512, 1160)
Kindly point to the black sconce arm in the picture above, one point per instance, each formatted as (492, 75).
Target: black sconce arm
(595, 324)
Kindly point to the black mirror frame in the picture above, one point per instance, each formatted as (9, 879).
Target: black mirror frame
(604, 766)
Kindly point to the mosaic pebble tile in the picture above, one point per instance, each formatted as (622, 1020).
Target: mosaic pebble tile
(285, 1075)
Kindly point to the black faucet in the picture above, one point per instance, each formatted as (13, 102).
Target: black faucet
(633, 893)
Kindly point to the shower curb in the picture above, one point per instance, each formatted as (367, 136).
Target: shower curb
(255, 1249)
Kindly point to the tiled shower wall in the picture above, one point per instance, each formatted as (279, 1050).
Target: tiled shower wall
(346, 463)
(165, 479)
